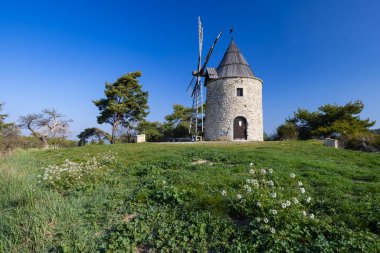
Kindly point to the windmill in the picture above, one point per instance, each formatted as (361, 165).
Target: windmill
(195, 87)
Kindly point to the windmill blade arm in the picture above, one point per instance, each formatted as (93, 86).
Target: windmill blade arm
(190, 84)
(200, 37)
(209, 53)
(197, 87)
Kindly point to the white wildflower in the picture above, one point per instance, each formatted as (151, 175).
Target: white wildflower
(251, 164)
(295, 200)
(248, 181)
(287, 203)
(272, 230)
(311, 216)
(300, 183)
(308, 199)
(251, 171)
(263, 171)
(270, 183)
(283, 205)
(302, 190)
(274, 211)
(292, 175)
(304, 213)
(273, 194)
(270, 171)
(258, 204)
(266, 220)
(238, 196)
(258, 219)
(224, 193)
(248, 188)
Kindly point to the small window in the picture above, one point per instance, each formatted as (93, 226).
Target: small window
(239, 92)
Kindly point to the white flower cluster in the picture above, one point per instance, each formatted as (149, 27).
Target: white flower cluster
(254, 182)
(265, 202)
(299, 183)
(70, 172)
(247, 188)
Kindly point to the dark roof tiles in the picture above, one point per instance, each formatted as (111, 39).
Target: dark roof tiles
(233, 64)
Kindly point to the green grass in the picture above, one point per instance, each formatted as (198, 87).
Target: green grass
(120, 211)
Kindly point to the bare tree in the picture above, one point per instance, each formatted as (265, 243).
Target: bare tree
(45, 125)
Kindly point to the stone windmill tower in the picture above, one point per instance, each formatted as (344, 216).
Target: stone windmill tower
(234, 108)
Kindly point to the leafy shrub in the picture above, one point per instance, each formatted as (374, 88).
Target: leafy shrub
(287, 131)
(170, 229)
(73, 174)
(28, 142)
(9, 137)
(361, 141)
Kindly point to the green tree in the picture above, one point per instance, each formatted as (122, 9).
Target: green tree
(331, 119)
(152, 130)
(177, 123)
(287, 131)
(9, 133)
(125, 103)
(94, 135)
(2, 118)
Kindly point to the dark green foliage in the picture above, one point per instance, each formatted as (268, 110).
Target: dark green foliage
(287, 131)
(152, 130)
(94, 134)
(162, 228)
(177, 123)
(29, 142)
(331, 120)
(2, 118)
(125, 104)
(9, 134)
(369, 142)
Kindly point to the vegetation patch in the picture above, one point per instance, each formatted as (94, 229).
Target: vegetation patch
(279, 196)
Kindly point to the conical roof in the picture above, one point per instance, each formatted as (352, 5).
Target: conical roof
(233, 63)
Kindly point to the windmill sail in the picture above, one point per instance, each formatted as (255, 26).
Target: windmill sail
(197, 88)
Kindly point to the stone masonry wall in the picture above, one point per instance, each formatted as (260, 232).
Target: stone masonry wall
(223, 106)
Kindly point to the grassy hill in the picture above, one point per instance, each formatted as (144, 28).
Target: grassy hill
(190, 197)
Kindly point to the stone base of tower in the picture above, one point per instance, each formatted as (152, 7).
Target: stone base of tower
(227, 135)
(231, 117)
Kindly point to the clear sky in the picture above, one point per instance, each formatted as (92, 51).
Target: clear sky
(59, 54)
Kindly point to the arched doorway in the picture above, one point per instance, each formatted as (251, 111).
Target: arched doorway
(240, 128)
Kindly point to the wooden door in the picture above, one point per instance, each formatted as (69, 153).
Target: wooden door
(240, 128)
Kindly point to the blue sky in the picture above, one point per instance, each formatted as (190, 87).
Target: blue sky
(60, 53)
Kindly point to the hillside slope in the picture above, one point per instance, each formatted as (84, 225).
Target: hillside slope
(169, 197)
